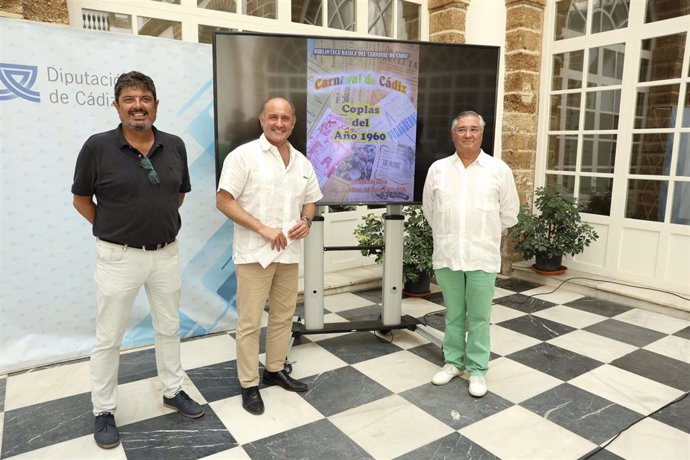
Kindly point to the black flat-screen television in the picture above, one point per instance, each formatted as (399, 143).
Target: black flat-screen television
(372, 115)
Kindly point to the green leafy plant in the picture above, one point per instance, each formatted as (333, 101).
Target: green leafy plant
(418, 243)
(556, 230)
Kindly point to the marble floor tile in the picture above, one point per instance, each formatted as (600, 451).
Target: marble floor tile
(345, 301)
(285, 410)
(594, 418)
(358, 346)
(431, 353)
(534, 326)
(328, 318)
(521, 434)
(499, 313)
(307, 441)
(524, 303)
(236, 453)
(626, 389)
(3, 388)
(453, 405)
(216, 381)
(655, 321)
(514, 284)
(136, 365)
(143, 399)
(372, 295)
(500, 292)
(570, 316)
(625, 332)
(368, 313)
(34, 387)
(174, 436)
(656, 367)
(417, 308)
(517, 382)
(557, 362)
(352, 387)
(672, 346)
(684, 333)
(593, 346)
(505, 341)
(598, 306)
(559, 296)
(676, 414)
(211, 350)
(81, 448)
(310, 359)
(651, 439)
(601, 454)
(2, 428)
(397, 371)
(44, 424)
(390, 427)
(407, 339)
(453, 446)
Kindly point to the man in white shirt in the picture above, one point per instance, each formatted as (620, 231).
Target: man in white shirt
(269, 190)
(469, 199)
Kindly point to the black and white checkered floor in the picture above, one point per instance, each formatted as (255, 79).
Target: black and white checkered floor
(567, 374)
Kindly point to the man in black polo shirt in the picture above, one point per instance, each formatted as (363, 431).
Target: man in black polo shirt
(139, 177)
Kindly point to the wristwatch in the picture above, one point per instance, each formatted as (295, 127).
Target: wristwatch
(307, 221)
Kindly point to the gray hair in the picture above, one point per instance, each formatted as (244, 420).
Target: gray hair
(468, 113)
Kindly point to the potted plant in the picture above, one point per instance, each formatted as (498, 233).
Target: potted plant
(555, 230)
(418, 246)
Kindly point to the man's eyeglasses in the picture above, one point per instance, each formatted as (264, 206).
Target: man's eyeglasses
(147, 165)
(463, 131)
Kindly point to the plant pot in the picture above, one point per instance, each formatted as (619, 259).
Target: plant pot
(549, 265)
(419, 288)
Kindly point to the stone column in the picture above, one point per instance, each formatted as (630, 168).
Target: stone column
(523, 57)
(54, 11)
(447, 20)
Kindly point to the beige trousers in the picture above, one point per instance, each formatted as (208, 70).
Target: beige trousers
(120, 273)
(276, 283)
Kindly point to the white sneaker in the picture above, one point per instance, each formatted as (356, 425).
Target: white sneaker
(445, 374)
(477, 386)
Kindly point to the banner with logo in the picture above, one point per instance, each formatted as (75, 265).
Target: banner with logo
(56, 89)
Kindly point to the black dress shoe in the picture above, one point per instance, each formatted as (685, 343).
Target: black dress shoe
(251, 400)
(282, 379)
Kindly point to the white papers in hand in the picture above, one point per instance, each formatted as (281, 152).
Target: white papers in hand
(266, 254)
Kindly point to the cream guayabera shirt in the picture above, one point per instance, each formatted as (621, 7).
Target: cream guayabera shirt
(254, 173)
(467, 209)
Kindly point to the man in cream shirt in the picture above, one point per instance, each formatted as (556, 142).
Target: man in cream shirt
(469, 199)
(269, 190)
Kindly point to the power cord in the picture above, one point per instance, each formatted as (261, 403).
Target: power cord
(604, 446)
(612, 282)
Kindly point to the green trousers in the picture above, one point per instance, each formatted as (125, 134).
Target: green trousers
(467, 297)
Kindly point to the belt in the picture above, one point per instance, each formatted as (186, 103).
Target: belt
(146, 247)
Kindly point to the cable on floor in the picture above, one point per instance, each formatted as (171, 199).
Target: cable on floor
(605, 445)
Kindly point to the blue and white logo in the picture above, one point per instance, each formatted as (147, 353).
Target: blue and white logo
(17, 81)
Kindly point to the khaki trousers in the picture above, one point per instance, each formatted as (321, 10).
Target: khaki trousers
(276, 283)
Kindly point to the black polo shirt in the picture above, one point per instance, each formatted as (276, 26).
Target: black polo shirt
(129, 208)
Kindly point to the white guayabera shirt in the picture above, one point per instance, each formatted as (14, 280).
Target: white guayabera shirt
(254, 173)
(467, 209)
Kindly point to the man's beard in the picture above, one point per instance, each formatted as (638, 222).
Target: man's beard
(139, 125)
